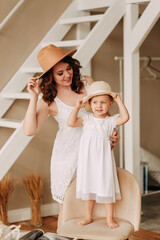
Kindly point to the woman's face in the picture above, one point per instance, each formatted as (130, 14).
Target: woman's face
(63, 74)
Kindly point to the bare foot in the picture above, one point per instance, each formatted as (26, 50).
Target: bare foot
(84, 222)
(111, 224)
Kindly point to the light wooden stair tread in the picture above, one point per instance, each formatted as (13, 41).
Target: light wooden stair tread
(90, 18)
(9, 123)
(16, 95)
(138, 1)
(65, 43)
(31, 70)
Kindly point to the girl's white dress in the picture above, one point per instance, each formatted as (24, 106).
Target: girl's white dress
(96, 173)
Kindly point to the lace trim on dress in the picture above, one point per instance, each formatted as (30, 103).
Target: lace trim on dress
(98, 199)
(57, 198)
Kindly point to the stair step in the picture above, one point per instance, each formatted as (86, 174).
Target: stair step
(20, 95)
(138, 1)
(9, 123)
(70, 43)
(90, 5)
(92, 18)
(31, 70)
(15, 95)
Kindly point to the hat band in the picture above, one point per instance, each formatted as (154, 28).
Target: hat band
(99, 91)
(92, 94)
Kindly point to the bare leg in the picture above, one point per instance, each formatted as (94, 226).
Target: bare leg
(89, 205)
(60, 215)
(109, 215)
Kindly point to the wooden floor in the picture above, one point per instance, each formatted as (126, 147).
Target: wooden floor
(50, 225)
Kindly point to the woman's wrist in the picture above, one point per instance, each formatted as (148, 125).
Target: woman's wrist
(34, 97)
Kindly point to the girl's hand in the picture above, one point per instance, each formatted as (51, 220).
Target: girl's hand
(33, 86)
(117, 98)
(80, 104)
(114, 138)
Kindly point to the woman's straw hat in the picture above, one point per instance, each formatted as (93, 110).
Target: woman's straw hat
(50, 56)
(95, 89)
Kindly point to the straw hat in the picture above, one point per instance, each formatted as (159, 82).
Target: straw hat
(95, 89)
(50, 56)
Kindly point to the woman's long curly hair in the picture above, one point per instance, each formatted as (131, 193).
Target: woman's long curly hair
(48, 85)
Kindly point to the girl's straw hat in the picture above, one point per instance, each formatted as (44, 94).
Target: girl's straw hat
(95, 89)
(50, 55)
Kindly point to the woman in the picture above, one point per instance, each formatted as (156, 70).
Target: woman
(61, 87)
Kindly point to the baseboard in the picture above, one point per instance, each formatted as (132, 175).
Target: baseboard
(24, 214)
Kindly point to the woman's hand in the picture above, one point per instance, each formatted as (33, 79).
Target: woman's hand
(33, 86)
(114, 138)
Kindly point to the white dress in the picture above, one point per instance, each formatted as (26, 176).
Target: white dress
(96, 173)
(65, 152)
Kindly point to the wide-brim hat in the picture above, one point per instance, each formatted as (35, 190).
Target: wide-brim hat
(50, 55)
(95, 89)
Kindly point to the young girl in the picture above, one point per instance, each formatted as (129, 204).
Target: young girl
(96, 173)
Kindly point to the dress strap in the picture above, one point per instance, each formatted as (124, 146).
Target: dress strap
(56, 100)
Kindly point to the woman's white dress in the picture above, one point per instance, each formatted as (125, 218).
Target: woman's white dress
(96, 173)
(65, 152)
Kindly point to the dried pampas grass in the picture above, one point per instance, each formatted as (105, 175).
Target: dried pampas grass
(34, 184)
(6, 188)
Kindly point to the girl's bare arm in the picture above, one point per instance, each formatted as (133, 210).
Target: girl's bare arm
(124, 115)
(73, 120)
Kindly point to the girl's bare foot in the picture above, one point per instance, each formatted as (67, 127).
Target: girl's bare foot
(111, 224)
(84, 222)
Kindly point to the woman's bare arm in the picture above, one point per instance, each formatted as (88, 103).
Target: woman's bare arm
(89, 80)
(36, 114)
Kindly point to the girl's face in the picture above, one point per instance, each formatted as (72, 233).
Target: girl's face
(100, 105)
(63, 74)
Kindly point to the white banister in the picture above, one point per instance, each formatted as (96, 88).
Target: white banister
(144, 24)
(100, 32)
(131, 95)
(11, 13)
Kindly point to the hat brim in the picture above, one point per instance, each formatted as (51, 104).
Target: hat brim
(87, 98)
(70, 53)
(112, 94)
